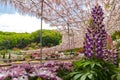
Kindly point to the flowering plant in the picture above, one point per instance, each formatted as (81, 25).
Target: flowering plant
(96, 38)
(45, 71)
(98, 63)
(93, 69)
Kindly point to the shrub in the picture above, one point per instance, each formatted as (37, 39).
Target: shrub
(93, 69)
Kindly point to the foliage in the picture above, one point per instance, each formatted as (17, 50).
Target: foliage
(50, 37)
(8, 78)
(27, 56)
(116, 76)
(64, 69)
(75, 50)
(2, 52)
(11, 40)
(116, 35)
(118, 45)
(35, 78)
(93, 69)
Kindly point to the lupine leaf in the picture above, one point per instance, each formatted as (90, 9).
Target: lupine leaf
(90, 76)
(84, 77)
(118, 77)
(76, 77)
(93, 65)
(99, 65)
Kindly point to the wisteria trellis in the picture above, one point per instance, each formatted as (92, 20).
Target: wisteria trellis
(76, 13)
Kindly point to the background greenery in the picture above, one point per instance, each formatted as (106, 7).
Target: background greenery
(12, 40)
(116, 35)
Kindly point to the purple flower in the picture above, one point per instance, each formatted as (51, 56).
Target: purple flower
(96, 38)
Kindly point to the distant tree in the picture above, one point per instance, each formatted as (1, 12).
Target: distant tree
(9, 40)
(50, 37)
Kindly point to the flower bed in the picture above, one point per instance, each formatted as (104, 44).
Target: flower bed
(46, 71)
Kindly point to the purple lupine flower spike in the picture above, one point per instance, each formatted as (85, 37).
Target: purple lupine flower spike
(96, 38)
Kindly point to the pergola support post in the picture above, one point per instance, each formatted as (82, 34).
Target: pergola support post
(41, 31)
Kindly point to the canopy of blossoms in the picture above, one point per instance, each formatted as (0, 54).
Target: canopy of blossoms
(72, 13)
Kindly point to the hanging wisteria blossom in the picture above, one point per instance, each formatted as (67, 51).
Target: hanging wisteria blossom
(73, 12)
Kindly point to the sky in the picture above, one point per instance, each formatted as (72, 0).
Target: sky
(12, 21)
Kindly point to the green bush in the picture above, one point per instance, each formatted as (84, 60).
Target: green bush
(93, 69)
(10, 40)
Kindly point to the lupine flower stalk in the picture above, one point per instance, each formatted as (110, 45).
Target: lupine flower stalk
(96, 37)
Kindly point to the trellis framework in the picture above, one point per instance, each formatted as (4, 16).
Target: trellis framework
(72, 12)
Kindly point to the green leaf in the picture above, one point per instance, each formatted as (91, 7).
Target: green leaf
(99, 65)
(86, 64)
(84, 76)
(94, 72)
(93, 65)
(118, 77)
(90, 76)
(77, 76)
(114, 76)
(73, 73)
